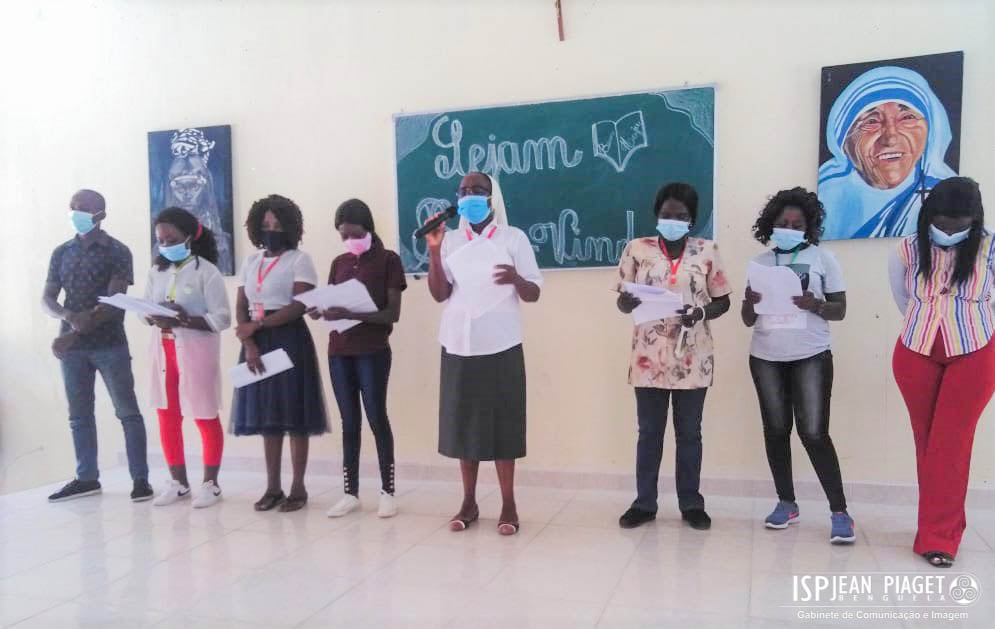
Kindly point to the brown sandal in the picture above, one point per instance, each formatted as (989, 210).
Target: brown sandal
(270, 501)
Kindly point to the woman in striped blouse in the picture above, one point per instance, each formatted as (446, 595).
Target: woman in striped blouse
(944, 362)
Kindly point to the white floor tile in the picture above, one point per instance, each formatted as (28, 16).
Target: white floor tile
(104, 561)
(15, 607)
(73, 614)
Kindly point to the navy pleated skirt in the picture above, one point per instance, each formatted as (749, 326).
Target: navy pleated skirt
(292, 402)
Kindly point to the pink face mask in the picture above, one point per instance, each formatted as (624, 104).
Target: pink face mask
(359, 246)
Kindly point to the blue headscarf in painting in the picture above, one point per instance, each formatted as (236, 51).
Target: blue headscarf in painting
(854, 208)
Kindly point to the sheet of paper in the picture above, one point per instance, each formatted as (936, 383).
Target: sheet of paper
(644, 290)
(351, 295)
(657, 302)
(275, 362)
(472, 266)
(776, 285)
(138, 305)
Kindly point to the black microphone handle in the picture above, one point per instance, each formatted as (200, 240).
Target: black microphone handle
(431, 225)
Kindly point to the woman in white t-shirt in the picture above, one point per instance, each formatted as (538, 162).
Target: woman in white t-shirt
(291, 402)
(790, 357)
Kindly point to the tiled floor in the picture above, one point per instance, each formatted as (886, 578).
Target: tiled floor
(105, 562)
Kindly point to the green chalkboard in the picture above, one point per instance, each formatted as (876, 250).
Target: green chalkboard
(578, 176)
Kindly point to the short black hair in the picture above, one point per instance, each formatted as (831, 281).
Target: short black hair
(285, 211)
(957, 197)
(807, 202)
(97, 199)
(678, 191)
(202, 241)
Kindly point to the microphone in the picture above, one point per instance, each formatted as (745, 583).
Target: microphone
(431, 225)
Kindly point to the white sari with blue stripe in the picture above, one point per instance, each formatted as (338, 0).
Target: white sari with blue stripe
(854, 208)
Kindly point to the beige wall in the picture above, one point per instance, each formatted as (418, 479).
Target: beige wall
(309, 89)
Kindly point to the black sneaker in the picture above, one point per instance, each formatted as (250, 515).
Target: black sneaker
(142, 491)
(76, 489)
(697, 518)
(635, 517)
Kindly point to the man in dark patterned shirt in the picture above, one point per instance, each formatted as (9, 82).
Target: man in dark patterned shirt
(92, 339)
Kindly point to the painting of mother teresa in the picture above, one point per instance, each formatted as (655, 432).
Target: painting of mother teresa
(892, 131)
(191, 169)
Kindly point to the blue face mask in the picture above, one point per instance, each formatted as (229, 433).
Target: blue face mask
(82, 222)
(943, 239)
(787, 239)
(672, 230)
(474, 208)
(175, 253)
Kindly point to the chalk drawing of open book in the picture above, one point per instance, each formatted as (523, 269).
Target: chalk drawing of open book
(616, 141)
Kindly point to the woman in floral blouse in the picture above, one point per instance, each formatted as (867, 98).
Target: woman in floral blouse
(672, 358)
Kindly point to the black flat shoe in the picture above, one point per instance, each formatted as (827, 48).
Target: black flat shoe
(635, 517)
(293, 503)
(697, 518)
(270, 501)
(939, 559)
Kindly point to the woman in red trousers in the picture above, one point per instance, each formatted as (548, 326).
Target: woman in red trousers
(944, 360)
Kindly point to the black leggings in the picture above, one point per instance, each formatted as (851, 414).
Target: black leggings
(364, 376)
(799, 389)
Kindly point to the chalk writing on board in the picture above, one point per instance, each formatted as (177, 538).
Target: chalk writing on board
(498, 157)
(616, 140)
(580, 249)
(597, 248)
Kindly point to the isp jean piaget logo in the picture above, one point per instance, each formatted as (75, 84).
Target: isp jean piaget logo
(879, 595)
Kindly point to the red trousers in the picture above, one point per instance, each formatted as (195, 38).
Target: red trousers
(945, 397)
(171, 421)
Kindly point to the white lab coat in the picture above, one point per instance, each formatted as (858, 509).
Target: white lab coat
(200, 289)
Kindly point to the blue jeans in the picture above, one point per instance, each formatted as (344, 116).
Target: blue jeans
(651, 409)
(79, 368)
(364, 375)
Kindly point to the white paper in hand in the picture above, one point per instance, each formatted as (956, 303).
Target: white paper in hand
(472, 266)
(275, 362)
(351, 295)
(776, 285)
(137, 305)
(656, 303)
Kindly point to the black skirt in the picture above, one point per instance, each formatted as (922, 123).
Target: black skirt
(291, 402)
(482, 406)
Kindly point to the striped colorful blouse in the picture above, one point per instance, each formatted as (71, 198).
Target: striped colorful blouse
(961, 313)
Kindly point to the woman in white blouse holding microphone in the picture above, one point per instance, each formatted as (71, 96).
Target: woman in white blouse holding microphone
(482, 380)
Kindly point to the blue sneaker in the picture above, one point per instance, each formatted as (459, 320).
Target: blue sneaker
(783, 514)
(842, 529)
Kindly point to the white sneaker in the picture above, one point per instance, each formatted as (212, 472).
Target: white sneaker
(348, 504)
(388, 506)
(174, 492)
(209, 495)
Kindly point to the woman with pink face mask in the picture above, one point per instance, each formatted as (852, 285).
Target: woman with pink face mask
(359, 358)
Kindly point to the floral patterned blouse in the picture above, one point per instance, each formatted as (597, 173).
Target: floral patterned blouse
(700, 279)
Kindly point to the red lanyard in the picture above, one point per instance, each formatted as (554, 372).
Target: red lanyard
(261, 275)
(490, 234)
(675, 265)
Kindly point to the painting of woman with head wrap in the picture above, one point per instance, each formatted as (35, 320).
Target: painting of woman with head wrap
(890, 132)
(191, 169)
